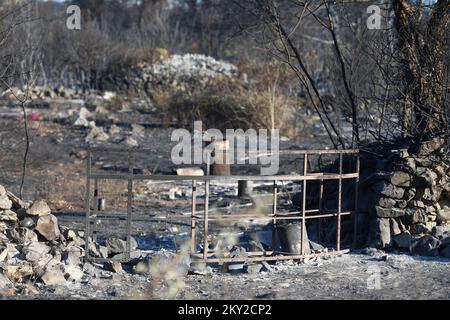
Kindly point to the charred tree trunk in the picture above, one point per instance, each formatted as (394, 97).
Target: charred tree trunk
(421, 47)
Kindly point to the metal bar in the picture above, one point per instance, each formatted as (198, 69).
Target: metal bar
(276, 258)
(94, 226)
(355, 216)
(284, 152)
(302, 232)
(88, 204)
(326, 176)
(277, 217)
(274, 212)
(319, 221)
(193, 218)
(205, 222)
(338, 228)
(129, 202)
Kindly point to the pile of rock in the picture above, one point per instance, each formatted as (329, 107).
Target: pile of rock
(183, 72)
(36, 251)
(406, 196)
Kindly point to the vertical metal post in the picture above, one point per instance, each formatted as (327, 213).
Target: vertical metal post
(338, 228)
(94, 226)
(319, 221)
(274, 212)
(355, 213)
(87, 203)
(305, 171)
(205, 222)
(193, 217)
(129, 201)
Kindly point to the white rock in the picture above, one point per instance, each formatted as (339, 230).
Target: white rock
(5, 203)
(47, 226)
(39, 208)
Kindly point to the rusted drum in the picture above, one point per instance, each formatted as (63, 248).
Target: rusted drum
(291, 237)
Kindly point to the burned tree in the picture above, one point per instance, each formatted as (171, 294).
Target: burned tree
(421, 35)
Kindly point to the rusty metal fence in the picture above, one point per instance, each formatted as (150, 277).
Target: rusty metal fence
(201, 219)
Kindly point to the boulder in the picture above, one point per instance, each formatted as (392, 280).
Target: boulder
(22, 235)
(35, 251)
(395, 227)
(39, 208)
(47, 226)
(387, 189)
(425, 246)
(5, 203)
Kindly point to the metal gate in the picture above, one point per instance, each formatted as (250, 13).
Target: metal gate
(200, 220)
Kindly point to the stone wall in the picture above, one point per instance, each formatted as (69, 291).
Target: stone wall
(404, 199)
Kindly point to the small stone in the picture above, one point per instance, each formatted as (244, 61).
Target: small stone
(253, 268)
(195, 171)
(130, 142)
(387, 189)
(445, 252)
(426, 246)
(47, 226)
(142, 267)
(414, 216)
(425, 177)
(395, 228)
(8, 216)
(18, 272)
(53, 277)
(386, 202)
(419, 229)
(113, 266)
(27, 223)
(116, 245)
(401, 179)
(441, 232)
(5, 203)
(39, 208)
(2, 190)
(403, 240)
(4, 282)
(73, 273)
(35, 251)
(389, 213)
(22, 236)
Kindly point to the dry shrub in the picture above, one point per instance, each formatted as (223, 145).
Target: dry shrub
(264, 102)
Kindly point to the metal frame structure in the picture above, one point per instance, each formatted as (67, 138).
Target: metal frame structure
(203, 218)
